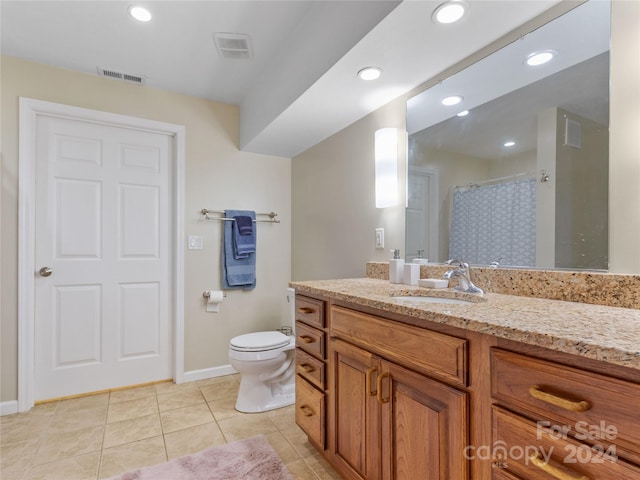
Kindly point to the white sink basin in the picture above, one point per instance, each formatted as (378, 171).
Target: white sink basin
(425, 299)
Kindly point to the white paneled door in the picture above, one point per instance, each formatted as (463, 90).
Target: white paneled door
(103, 257)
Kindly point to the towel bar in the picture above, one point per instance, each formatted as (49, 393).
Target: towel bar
(205, 213)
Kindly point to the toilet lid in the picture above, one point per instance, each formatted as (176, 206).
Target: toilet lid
(258, 341)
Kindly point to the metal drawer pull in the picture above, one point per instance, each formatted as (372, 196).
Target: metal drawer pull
(306, 339)
(306, 368)
(306, 310)
(369, 380)
(554, 471)
(307, 411)
(381, 377)
(581, 406)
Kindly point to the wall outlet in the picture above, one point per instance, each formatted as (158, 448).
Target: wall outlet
(379, 237)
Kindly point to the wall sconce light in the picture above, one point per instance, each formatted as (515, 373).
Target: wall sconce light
(386, 162)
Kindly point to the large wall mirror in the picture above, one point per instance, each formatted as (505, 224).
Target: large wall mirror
(516, 174)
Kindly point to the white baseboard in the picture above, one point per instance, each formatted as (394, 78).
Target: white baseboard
(205, 373)
(7, 408)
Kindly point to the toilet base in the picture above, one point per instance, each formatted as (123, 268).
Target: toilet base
(255, 396)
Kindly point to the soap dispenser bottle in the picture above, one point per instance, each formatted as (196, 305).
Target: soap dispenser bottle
(396, 268)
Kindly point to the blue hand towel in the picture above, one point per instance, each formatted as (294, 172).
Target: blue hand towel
(237, 273)
(243, 244)
(244, 224)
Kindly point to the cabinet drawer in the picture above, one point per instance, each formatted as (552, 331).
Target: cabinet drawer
(436, 354)
(310, 411)
(310, 368)
(500, 474)
(310, 310)
(310, 340)
(594, 408)
(533, 452)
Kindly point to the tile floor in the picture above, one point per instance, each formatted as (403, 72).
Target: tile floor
(98, 436)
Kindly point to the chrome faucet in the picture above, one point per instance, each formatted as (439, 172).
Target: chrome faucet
(461, 272)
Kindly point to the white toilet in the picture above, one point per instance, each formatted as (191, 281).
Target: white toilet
(266, 362)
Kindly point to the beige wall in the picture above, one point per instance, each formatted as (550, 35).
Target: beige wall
(519, 163)
(624, 141)
(582, 186)
(546, 191)
(334, 215)
(218, 176)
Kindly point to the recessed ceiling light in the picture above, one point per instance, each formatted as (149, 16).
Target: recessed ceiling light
(140, 13)
(510, 143)
(463, 113)
(449, 12)
(540, 58)
(370, 73)
(453, 100)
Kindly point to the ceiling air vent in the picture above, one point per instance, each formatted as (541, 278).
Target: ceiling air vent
(572, 133)
(233, 45)
(121, 76)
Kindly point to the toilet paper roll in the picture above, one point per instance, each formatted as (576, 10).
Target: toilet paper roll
(213, 302)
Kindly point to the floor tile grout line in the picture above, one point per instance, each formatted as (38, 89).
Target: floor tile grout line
(164, 441)
(279, 423)
(226, 440)
(304, 459)
(164, 435)
(104, 435)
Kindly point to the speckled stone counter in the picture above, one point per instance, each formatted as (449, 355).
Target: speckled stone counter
(609, 334)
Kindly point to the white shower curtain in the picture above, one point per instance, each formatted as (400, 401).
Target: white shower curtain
(495, 223)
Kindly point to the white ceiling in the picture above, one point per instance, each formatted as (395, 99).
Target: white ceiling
(301, 85)
(505, 96)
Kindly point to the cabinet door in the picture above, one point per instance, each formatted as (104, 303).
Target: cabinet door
(423, 427)
(357, 440)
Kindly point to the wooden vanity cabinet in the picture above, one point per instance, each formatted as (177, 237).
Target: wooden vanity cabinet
(389, 421)
(384, 396)
(558, 421)
(310, 315)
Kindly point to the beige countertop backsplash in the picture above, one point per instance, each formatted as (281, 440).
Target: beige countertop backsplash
(596, 288)
(599, 332)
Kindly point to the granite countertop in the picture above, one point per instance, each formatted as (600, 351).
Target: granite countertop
(609, 334)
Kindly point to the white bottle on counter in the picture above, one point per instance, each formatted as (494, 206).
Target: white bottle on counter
(396, 268)
(411, 273)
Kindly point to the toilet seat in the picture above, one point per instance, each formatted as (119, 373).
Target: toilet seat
(259, 342)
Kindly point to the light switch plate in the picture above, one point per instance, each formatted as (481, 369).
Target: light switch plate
(379, 237)
(195, 242)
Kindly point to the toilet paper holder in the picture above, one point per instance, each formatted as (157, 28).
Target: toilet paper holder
(206, 294)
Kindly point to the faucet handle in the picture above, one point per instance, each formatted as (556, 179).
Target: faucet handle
(457, 263)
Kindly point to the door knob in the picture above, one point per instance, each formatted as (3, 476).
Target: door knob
(45, 271)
